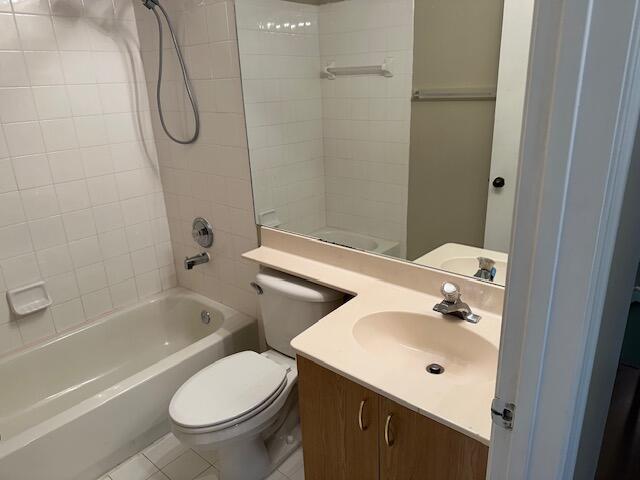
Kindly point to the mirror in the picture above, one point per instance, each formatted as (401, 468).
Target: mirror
(385, 125)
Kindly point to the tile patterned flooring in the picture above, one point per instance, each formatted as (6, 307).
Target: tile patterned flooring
(168, 459)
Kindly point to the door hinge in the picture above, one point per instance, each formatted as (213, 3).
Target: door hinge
(502, 413)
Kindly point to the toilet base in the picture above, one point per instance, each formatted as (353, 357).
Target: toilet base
(254, 458)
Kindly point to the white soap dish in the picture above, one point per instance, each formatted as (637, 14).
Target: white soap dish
(29, 299)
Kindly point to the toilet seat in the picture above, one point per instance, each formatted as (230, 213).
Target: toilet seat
(219, 396)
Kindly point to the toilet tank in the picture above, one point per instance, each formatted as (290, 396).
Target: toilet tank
(289, 305)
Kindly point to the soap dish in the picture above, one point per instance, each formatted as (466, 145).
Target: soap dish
(29, 299)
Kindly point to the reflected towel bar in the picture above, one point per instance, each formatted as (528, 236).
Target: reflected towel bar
(331, 71)
(433, 94)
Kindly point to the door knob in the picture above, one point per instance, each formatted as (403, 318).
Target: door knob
(498, 182)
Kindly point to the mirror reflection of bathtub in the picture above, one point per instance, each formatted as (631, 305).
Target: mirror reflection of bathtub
(358, 240)
(88, 400)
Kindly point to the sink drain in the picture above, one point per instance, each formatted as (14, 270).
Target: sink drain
(435, 369)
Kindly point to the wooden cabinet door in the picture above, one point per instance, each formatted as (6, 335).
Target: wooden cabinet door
(331, 411)
(422, 449)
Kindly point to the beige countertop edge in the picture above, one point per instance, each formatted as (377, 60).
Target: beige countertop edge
(344, 356)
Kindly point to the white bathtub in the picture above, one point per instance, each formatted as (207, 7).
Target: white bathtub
(75, 407)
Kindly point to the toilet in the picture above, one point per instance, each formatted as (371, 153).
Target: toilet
(245, 406)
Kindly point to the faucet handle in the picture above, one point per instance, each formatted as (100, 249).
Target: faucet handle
(450, 292)
(486, 263)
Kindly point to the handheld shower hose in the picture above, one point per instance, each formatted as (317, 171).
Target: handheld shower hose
(151, 5)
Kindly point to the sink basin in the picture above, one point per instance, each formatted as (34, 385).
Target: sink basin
(414, 341)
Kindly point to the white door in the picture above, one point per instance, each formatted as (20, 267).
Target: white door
(581, 115)
(512, 80)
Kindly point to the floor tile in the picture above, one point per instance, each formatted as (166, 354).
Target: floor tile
(136, 468)
(276, 476)
(292, 464)
(211, 474)
(186, 467)
(297, 475)
(210, 456)
(164, 451)
(158, 476)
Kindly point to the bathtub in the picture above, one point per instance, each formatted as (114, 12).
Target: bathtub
(76, 406)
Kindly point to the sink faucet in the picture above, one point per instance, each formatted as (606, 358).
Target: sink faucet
(199, 259)
(486, 269)
(452, 305)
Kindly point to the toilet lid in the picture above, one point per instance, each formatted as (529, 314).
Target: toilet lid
(228, 389)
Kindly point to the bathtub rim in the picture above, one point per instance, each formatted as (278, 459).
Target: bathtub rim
(233, 321)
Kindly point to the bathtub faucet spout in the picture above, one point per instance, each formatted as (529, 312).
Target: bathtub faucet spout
(199, 259)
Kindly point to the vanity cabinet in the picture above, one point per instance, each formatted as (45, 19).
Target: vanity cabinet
(352, 433)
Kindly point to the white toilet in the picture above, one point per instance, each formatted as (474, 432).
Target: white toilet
(245, 406)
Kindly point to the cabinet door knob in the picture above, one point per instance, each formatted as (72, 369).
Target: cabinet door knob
(361, 424)
(387, 431)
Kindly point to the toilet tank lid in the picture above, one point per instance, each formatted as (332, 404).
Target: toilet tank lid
(296, 287)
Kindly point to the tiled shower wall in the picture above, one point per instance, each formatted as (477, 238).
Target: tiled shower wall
(366, 120)
(81, 203)
(280, 49)
(210, 178)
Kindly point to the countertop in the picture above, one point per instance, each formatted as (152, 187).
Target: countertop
(458, 403)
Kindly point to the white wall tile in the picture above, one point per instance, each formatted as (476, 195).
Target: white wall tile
(13, 70)
(40, 202)
(9, 39)
(73, 196)
(51, 102)
(84, 99)
(36, 327)
(45, 68)
(97, 303)
(24, 138)
(17, 105)
(113, 243)
(54, 261)
(59, 134)
(66, 166)
(79, 224)
(148, 284)
(118, 269)
(91, 278)
(19, 271)
(10, 338)
(108, 217)
(63, 288)
(14, 240)
(36, 32)
(12, 211)
(124, 293)
(67, 315)
(47, 232)
(31, 6)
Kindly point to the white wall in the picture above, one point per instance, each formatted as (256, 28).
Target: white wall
(366, 120)
(280, 57)
(81, 203)
(210, 178)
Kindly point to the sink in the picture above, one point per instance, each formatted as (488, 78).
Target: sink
(414, 341)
